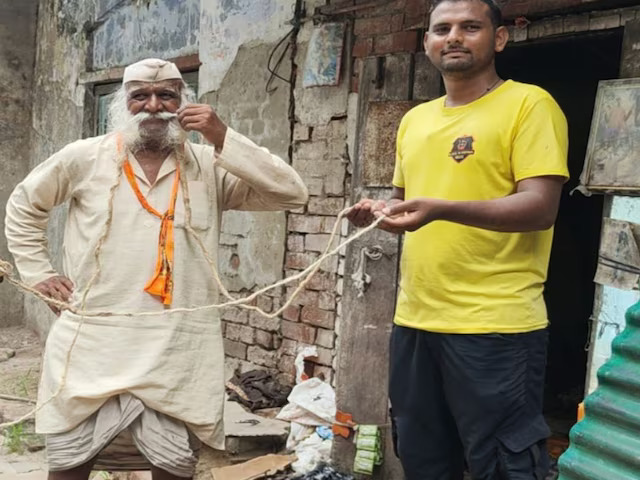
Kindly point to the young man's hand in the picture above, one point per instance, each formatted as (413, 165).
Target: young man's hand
(58, 287)
(409, 215)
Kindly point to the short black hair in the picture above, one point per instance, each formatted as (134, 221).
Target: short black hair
(495, 14)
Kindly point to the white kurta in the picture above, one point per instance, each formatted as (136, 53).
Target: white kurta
(174, 363)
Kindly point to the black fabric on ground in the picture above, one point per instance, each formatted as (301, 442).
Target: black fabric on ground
(261, 390)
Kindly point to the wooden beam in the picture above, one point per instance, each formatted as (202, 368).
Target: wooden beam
(187, 63)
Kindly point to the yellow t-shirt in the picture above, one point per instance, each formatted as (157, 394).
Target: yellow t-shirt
(460, 279)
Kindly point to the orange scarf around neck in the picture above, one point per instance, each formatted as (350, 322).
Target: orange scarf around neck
(161, 283)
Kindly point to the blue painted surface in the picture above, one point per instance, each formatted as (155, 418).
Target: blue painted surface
(164, 29)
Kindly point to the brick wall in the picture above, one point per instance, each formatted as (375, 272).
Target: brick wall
(324, 122)
(320, 155)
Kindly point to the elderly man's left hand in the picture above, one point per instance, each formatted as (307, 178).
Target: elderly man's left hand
(202, 118)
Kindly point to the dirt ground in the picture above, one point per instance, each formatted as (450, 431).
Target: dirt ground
(21, 451)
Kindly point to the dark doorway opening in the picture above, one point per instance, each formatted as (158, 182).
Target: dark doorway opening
(569, 67)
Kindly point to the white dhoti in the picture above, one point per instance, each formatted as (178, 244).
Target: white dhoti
(125, 435)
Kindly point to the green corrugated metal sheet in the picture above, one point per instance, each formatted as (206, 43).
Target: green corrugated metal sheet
(605, 445)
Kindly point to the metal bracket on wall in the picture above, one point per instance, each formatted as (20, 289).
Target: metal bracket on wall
(361, 279)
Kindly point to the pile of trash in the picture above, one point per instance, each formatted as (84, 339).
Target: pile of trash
(311, 411)
(324, 472)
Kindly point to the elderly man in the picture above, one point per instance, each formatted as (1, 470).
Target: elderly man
(157, 381)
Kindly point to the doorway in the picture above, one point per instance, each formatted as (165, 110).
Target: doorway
(569, 68)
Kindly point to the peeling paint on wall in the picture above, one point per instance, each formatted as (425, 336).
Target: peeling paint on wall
(164, 29)
(228, 24)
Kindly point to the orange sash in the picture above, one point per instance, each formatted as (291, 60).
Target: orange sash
(161, 283)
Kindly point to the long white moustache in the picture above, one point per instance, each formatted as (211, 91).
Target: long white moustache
(135, 135)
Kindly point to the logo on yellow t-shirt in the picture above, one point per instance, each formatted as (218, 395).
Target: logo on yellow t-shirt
(462, 148)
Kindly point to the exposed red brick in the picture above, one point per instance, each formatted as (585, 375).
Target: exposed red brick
(415, 22)
(386, 8)
(264, 339)
(515, 8)
(414, 8)
(289, 347)
(327, 300)
(305, 223)
(355, 75)
(367, 27)
(325, 338)
(295, 243)
(396, 42)
(291, 313)
(299, 261)
(298, 331)
(305, 297)
(317, 317)
(322, 281)
(265, 303)
(397, 22)
(362, 47)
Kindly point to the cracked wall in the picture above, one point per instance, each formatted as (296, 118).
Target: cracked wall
(17, 54)
(58, 110)
(234, 79)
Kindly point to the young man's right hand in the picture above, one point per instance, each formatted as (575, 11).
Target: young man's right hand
(58, 287)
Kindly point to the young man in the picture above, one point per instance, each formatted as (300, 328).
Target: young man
(477, 185)
(154, 382)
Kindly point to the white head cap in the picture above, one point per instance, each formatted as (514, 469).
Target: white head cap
(151, 70)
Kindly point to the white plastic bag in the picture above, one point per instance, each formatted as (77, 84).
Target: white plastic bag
(311, 452)
(312, 402)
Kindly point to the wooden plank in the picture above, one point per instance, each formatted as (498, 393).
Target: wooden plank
(187, 63)
(363, 334)
(393, 78)
(379, 141)
(363, 354)
(427, 84)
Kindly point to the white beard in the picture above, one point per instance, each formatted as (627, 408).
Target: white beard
(136, 137)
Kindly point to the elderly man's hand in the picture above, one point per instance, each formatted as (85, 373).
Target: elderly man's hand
(202, 118)
(363, 213)
(58, 287)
